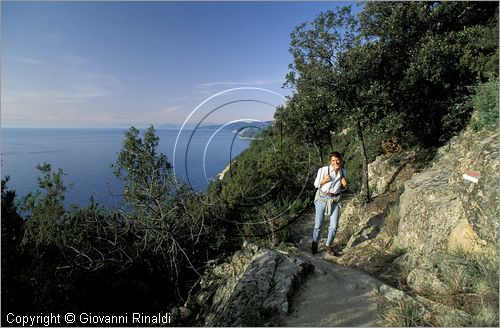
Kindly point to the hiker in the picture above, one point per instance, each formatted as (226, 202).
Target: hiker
(330, 181)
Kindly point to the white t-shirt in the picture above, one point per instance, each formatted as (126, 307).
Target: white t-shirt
(334, 185)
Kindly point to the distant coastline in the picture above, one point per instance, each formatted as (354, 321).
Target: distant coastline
(236, 126)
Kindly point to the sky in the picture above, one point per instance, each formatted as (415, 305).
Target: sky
(117, 64)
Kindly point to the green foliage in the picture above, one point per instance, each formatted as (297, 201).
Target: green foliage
(317, 47)
(307, 119)
(45, 207)
(431, 55)
(406, 69)
(15, 288)
(271, 169)
(12, 223)
(319, 44)
(147, 176)
(480, 52)
(167, 220)
(266, 188)
(86, 259)
(485, 103)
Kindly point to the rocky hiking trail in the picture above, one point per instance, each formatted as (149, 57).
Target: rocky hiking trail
(291, 287)
(353, 288)
(334, 294)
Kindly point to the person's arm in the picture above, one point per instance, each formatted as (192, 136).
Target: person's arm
(318, 179)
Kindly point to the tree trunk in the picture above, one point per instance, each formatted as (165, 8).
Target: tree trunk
(320, 151)
(365, 192)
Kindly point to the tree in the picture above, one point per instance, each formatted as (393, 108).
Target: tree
(432, 54)
(363, 100)
(330, 60)
(164, 225)
(45, 207)
(317, 48)
(307, 118)
(147, 175)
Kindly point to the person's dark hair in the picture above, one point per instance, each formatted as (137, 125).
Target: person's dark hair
(335, 154)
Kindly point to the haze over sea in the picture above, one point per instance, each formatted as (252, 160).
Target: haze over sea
(86, 155)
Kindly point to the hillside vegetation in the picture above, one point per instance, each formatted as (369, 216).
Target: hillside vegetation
(398, 76)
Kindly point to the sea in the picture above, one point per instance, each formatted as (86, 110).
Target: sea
(86, 156)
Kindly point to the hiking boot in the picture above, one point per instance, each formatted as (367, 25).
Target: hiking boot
(314, 247)
(331, 251)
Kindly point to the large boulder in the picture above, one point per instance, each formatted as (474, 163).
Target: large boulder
(257, 282)
(442, 210)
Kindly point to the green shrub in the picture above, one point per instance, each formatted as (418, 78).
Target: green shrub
(485, 103)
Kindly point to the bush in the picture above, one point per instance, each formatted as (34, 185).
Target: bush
(485, 103)
(15, 287)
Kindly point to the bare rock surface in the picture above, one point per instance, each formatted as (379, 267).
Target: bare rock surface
(383, 172)
(335, 296)
(256, 283)
(442, 211)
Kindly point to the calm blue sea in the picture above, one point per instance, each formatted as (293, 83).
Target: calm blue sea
(86, 156)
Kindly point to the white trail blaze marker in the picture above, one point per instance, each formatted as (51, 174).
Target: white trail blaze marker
(472, 176)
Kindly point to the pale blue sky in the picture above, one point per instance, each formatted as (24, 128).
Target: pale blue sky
(107, 64)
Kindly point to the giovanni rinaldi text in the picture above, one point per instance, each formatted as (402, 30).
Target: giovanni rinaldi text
(87, 318)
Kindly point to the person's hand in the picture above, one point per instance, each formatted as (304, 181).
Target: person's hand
(343, 182)
(326, 179)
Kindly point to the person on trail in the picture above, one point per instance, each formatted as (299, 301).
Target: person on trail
(330, 181)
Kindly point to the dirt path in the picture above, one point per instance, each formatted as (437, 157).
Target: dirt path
(333, 295)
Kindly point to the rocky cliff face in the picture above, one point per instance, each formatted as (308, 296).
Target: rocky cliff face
(384, 171)
(442, 210)
(426, 205)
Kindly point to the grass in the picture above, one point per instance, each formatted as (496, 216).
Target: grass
(404, 313)
(472, 282)
(472, 298)
(477, 280)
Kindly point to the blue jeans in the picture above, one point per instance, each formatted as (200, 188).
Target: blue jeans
(318, 221)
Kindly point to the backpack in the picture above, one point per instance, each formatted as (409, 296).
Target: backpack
(311, 173)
